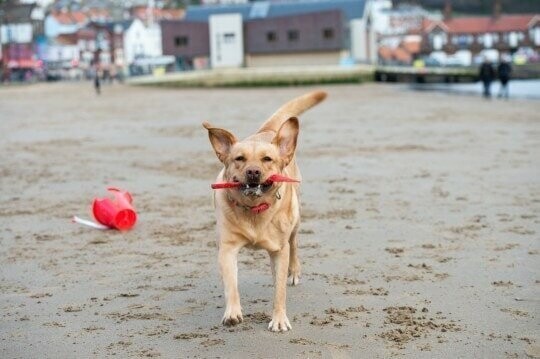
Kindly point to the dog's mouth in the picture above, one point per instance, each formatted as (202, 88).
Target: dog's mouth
(253, 189)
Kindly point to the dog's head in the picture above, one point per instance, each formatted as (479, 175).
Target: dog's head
(251, 162)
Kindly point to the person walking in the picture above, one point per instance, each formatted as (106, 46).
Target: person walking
(487, 74)
(97, 83)
(503, 71)
(96, 75)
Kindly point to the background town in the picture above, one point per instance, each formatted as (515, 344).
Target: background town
(70, 40)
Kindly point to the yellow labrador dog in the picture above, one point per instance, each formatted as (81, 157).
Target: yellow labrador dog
(257, 212)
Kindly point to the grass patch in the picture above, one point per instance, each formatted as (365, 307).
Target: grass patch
(248, 77)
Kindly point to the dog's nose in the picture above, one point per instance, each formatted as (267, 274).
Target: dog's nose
(253, 174)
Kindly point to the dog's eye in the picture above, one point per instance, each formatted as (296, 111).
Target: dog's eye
(240, 158)
(267, 159)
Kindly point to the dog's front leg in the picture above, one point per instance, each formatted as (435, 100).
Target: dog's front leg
(228, 255)
(280, 260)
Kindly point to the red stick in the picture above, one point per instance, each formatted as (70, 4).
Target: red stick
(280, 178)
(273, 178)
(221, 185)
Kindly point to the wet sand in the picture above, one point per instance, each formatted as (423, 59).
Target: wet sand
(420, 233)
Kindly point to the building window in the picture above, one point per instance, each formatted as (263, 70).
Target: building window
(488, 40)
(181, 41)
(437, 42)
(292, 35)
(535, 35)
(328, 33)
(271, 36)
(464, 40)
(228, 37)
(513, 39)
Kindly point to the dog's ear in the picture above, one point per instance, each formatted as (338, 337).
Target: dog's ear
(222, 140)
(286, 138)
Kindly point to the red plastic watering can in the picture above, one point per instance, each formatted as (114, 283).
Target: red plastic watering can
(118, 213)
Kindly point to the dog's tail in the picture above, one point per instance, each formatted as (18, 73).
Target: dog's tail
(293, 108)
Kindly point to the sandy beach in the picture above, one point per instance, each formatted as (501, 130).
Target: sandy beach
(420, 232)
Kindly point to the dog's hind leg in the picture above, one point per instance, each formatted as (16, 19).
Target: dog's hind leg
(294, 261)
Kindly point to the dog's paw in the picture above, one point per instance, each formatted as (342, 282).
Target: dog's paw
(294, 279)
(294, 275)
(279, 323)
(232, 317)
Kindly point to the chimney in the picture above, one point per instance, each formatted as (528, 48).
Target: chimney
(447, 12)
(497, 9)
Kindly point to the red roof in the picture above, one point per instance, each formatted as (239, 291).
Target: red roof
(483, 24)
(70, 18)
(67, 39)
(98, 14)
(385, 53)
(412, 47)
(86, 33)
(402, 55)
(141, 12)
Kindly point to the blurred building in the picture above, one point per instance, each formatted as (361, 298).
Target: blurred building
(83, 35)
(21, 30)
(466, 39)
(143, 50)
(64, 22)
(398, 32)
(150, 14)
(304, 32)
(75, 40)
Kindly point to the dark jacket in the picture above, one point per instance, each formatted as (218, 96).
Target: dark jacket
(504, 70)
(486, 72)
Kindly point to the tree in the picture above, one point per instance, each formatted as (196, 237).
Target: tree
(181, 3)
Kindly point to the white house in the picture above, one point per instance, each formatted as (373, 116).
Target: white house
(141, 41)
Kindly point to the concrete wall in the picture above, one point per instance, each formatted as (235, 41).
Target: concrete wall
(359, 40)
(226, 40)
(294, 59)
